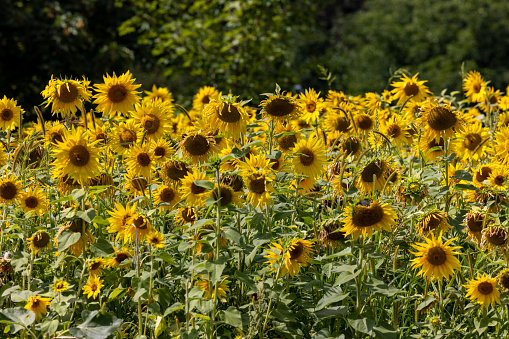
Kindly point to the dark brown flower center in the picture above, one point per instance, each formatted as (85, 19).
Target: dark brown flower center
(497, 236)
(175, 170)
(394, 131)
(410, 89)
(195, 189)
(68, 93)
(139, 183)
(341, 124)
(279, 107)
(474, 221)
(472, 140)
(119, 257)
(8, 190)
(226, 196)
(140, 222)
(364, 122)
(373, 168)
(441, 118)
(234, 181)
(205, 100)
(7, 114)
(483, 174)
(302, 123)
(117, 93)
(367, 213)
(499, 180)
(188, 214)
(127, 138)
(351, 146)
(94, 265)
(485, 288)
(151, 124)
(257, 184)
(41, 240)
(432, 223)
(504, 280)
(307, 158)
(311, 107)
(159, 151)
(274, 164)
(433, 143)
(143, 159)
(296, 250)
(436, 256)
(287, 141)
(56, 137)
(79, 155)
(476, 87)
(32, 202)
(196, 145)
(167, 195)
(229, 114)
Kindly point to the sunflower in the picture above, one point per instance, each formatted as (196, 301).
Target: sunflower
(186, 215)
(436, 260)
(280, 107)
(173, 171)
(439, 120)
(330, 233)
(334, 98)
(38, 305)
(193, 194)
(351, 146)
(228, 195)
(503, 279)
(38, 241)
(125, 135)
(227, 115)
(433, 221)
(66, 184)
(10, 188)
(76, 157)
(153, 118)
(117, 95)
(376, 172)
(76, 226)
(296, 255)
(491, 100)
(220, 288)
(135, 184)
(409, 88)
(60, 286)
(336, 125)
(155, 239)
(431, 148)
(55, 132)
(310, 157)
(96, 265)
(34, 200)
(93, 287)
(494, 237)
(137, 226)
(140, 160)
(364, 123)
(66, 95)
(502, 145)
(256, 170)
(159, 93)
(474, 87)
(396, 129)
(475, 223)
(483, 290)
(470, 142)
(9, 114)
(162, 150)
(498, 178)
(119, 217)
(311, 105)
(166, 197)
(366, 216)
(233, 180)
(198, 146)
(204, 96)
(411, 190)
(119, 259)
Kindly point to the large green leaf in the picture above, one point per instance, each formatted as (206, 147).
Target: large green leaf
(233, 317)
(97, 325)
(67, 238)
(18, 317)
(364, 325)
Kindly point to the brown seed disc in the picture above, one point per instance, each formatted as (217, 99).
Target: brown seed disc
(485, 288)
(307, 158)
(79, 155)
(436, 256)
(279, 107)
(229, 114)
(68, 93)
(117, 93)
(365, 215)
(196, 145)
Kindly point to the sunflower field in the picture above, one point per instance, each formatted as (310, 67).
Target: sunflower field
(309, 215)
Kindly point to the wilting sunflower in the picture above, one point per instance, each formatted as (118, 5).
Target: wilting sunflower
(140, 160)
(233, 180)
(38, 241)
(204, 96)
(135, 184)
(9, 114)
(173, 171)
(153, 118)
(502, 145)
(475, 223)
(193, 194)
(409, 87)
(162, 150)
(433, 221)
(120, 259)
(228, 195)
(439, 120)
(482, 173)
(186, 215)
(119, 217)
(86, 238)
(66, 95)
(155, 239)
(498, 178)
(221, 288)
(436, 260)
(472, 138)
(60, 286)
(431, 148)
(280, 107)
(34, 200)
(93, 287)
(311, 105)
(10, 188)
(366, 216)
(330, 233)
(76, 157)
(159, 93)
(125, 135)
(474, 87)
(38, 305)
(117, 95)
(375, 170)
(166, 197)
(411, 190)
(96, 265)
(310, 157)
(198, 146)
(227, 115)
(295, 256)
(483, 290)
(503, 279)
(494, 237)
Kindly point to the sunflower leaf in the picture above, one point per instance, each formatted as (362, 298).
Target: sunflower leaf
(66, 239)
(364, 325)
(207, 184)
(18, 317)
(232, 317)
(97, 325)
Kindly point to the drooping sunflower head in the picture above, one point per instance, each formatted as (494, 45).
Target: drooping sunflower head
(10, 114)
(227, 115)
(433, 221)
(117, 95)
(439, 120)
(198, 146)
(186, 215)
(351, 146)
(280, 107)
(66, 95)
(503, 279)
(475, 223)
(233, 180)
(174, 171)
(483, 290)
(494, 237)
(219, 289)
(330, 234)
(366, 216)
(39, 241)
(374, 173)
(411, 190)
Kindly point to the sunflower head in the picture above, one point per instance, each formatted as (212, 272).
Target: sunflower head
(483, 290)
(117, 95)
(280, 106)
(475, 223)
(330, 234)
(366, 216)
(494, 237)
(433, 221)
(38, 241)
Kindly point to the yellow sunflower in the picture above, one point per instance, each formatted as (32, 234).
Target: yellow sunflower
(117, 95)
(472, 138)
(220, 289)
(159, 93)
(227, 115)
(76, 157)
(363, 122)
(337, 124)
(162, 150)
(38, 241)
(119, 217)
(433, 221)
(334, 98)
(138, 225)
(10, 188)
(193, 194)
(186, 215)
(96, 265)
(60, 286)
(34, 200)
(135, 184)
(351, 146)
(376, 169)
(9, 114)
(311, 105)
(491, 100)
(280, 107)
(55, 132)
(297, 255)
(483, 290)
(153, 118)
(204, 96)
(431, 148)
(140, 160)
(409, 87)
(436, 260)
(482, 173)
(93, 287)
(228, 195)
(498, 178)
(155, 239)
(503, 279)
(38, 305)
(396, 129)
(439, 120)
(198, 146)
(174, 170)
(120, 259)
(66, 95)
(474, 87)
(310, 157)
(366, 216)
(125, 135)
(502, 145)
(166, 197)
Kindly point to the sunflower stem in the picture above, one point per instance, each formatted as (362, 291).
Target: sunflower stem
(149, 287)
(140, 320)
(262, 332)
(441, 299)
